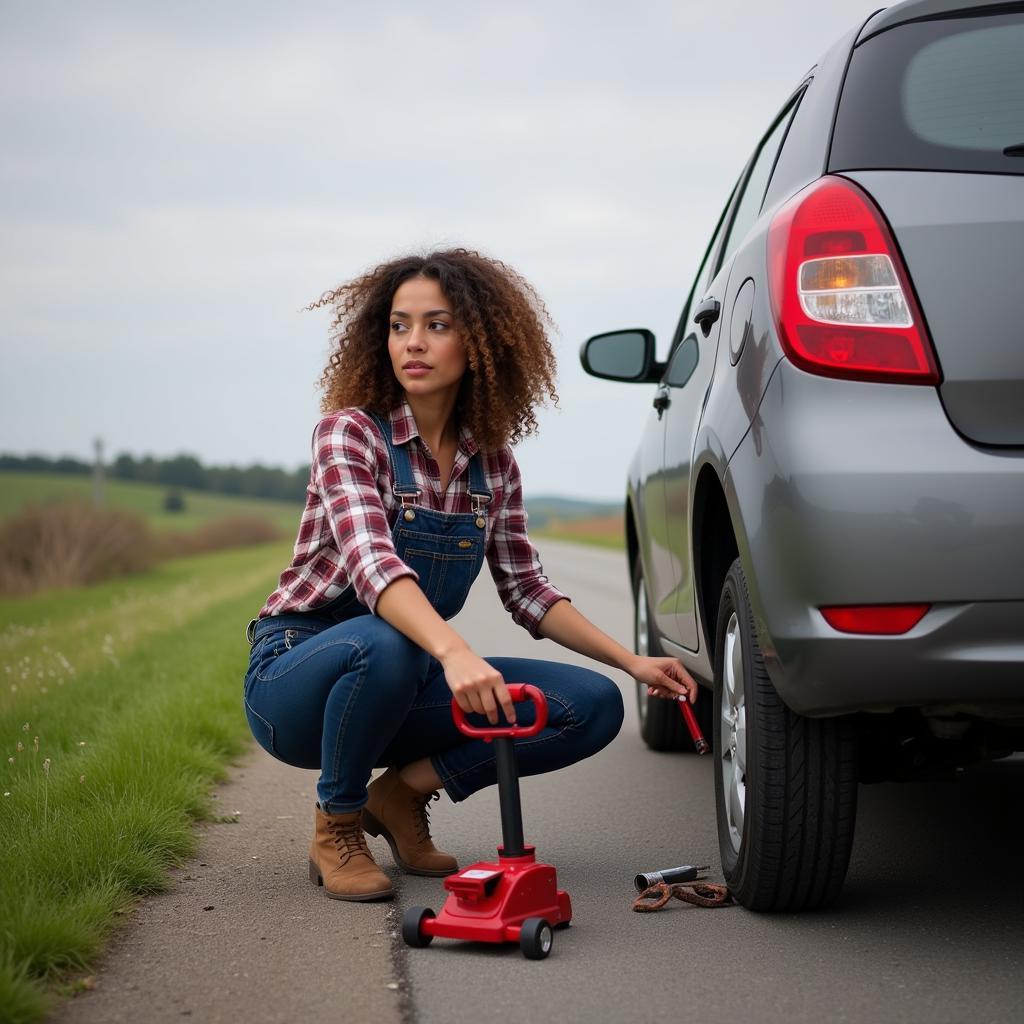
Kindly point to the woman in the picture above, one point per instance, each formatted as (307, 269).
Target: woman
(438, 363)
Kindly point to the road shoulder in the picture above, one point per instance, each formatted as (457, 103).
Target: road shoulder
(242, 934)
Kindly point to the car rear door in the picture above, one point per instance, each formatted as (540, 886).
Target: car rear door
(687, 380)
(651, 501)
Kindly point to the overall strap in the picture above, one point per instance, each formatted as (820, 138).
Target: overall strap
(405, 482)
(478, 488)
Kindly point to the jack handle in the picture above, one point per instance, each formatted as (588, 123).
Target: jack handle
(520, 693)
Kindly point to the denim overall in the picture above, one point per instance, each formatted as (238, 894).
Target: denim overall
(340, 689)
(446, 549)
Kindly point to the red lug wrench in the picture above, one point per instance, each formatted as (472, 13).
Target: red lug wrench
(690, 718)
(517, 899)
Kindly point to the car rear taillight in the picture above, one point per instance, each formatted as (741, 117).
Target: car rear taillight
(884, 619)
(841, 296)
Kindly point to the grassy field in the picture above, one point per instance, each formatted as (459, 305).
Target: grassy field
(120, 704)
(18, 488)
(603, 531)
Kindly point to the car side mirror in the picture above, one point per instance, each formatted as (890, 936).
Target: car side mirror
(621, 355)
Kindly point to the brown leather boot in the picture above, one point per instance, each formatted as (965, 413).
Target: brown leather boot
(399, 814)
(341, 862)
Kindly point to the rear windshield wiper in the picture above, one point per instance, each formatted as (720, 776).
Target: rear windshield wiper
(1017, 150)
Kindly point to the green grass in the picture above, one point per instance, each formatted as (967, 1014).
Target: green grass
(19, 488)
(126, 700)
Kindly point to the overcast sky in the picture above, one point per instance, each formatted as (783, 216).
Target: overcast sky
(177, 180)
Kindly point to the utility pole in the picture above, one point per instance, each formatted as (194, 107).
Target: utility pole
(97, 473)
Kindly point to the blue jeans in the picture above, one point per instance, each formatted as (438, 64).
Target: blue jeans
(351, 696)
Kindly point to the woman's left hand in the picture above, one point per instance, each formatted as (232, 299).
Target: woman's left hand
(664, 677)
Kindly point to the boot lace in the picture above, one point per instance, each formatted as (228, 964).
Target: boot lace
(421, 814)
(349, 839)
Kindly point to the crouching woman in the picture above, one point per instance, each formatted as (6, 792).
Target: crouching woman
(438, 362)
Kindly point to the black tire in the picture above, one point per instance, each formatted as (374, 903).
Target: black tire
(412, 927)
(536, 938)
(786, 830)
(661, 724)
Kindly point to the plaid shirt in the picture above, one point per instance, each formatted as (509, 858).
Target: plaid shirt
(345, 531)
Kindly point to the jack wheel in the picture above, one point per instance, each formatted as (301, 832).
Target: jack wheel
(412, 927)
(535, 938)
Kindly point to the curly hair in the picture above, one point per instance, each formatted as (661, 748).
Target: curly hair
(501, 322)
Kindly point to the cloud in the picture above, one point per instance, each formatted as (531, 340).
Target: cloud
(178, 181)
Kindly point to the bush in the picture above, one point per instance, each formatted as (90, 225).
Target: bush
(69, 543)
(229, 532)
(174, 500)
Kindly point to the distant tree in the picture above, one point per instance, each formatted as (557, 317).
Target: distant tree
(226, 479)
(124, 467)
(43, 464)
(174, 500)
(148, 470)
(299, 483)
(36, 464)
(183, 471)
(69, 465)
(260, 481)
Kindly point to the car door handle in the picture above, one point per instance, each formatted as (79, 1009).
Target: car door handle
(661, 400)
(707, 313)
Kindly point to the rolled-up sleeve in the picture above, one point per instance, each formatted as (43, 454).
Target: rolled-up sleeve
(514, 563)
(344, 475)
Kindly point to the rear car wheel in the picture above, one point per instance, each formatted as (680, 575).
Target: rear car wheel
(661, 724)
(785, 785)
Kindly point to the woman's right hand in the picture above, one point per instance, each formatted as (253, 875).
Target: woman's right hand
(476, 686)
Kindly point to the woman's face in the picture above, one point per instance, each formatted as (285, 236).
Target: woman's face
(423, 330)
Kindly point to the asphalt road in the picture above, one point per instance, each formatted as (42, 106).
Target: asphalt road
(930, 927)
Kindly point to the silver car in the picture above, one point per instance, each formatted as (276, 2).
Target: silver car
(825, 514)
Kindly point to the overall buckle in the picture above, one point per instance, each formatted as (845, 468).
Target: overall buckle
(408, 501)
(480, 503)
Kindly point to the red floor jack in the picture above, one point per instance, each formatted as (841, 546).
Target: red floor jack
(517, 899)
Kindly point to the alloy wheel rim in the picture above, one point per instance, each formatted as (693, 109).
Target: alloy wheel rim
(733, 762)
(642, 642)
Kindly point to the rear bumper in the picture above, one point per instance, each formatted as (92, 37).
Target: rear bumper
(845, 493)
(966, 658)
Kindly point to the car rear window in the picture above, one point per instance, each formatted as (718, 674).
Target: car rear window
(941, 95)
